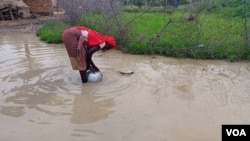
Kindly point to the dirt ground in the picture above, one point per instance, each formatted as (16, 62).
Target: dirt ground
(26, 25)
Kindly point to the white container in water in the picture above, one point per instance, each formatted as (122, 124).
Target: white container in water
(94, 77)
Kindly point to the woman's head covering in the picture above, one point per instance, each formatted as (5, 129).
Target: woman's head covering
(110, 40)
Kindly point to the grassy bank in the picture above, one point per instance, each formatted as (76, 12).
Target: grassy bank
(207, 36)
(51, 32)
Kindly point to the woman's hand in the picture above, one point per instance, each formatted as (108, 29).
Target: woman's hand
(94, 69)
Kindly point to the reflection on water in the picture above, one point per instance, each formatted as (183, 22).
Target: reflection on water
(90, 108)
(14, 111)
(165, 99)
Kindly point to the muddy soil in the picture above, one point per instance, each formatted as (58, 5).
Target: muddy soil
(26, 25)
(42, 98)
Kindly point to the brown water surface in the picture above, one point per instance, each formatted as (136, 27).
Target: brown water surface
(42, 98)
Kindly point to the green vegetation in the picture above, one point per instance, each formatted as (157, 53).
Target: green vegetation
(208, 36)
(51, 32)
(215, 33)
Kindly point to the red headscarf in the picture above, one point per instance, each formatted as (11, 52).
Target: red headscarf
(110, 40)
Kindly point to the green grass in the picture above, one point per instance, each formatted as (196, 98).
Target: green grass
(51, 32)
(208, 36)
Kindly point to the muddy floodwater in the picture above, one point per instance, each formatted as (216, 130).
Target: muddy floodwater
(165, 99)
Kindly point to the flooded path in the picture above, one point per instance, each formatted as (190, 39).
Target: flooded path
(166, 99)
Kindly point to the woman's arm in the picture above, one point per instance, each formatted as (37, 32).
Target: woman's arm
(90, 53)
